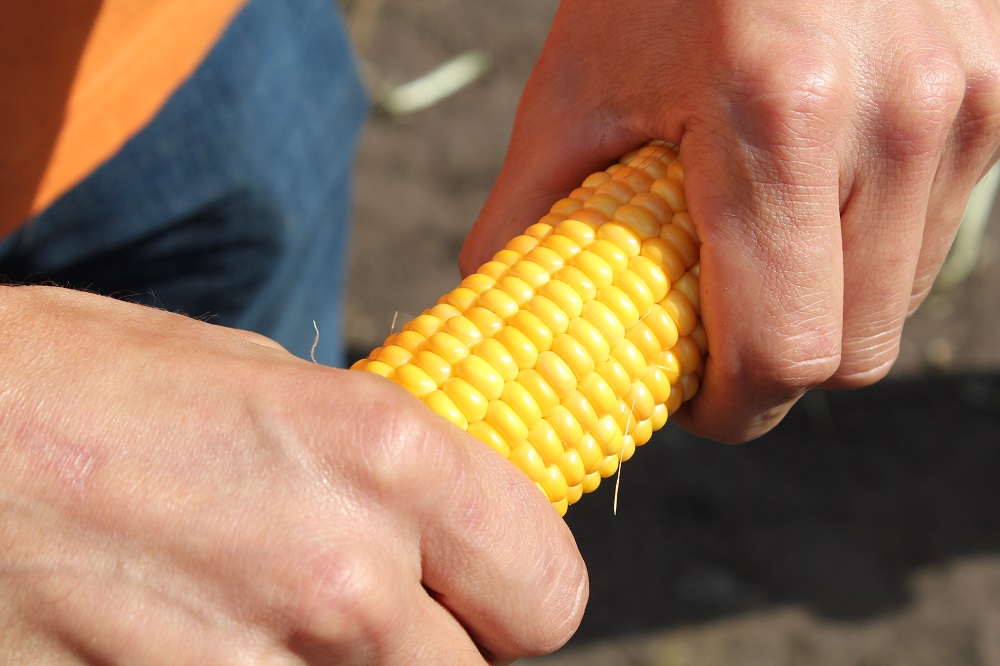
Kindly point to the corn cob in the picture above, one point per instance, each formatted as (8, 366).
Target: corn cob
(579, 338)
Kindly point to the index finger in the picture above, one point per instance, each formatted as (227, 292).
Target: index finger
(499, 557)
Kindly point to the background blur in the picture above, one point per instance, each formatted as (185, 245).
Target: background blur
(864, 530)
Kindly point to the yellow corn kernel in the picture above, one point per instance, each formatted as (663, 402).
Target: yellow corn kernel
(493, 352)
(564, 246)
(480, 374)
(460, 298)
(519, 346)
(409, 340)
(494, 269)
(664, 255)
(579, 232)
(436, 367)
(488, 323)
(640, 400)
(463, 329)
(425, 324)
(628, 448)
(632, 360)
(604, 203)
(604, 320)
(546, 441)
(590, 217)
(393, 355)
(689, 385)
(659, 418)
(688, 355)
(616, 257)
(579, 339)
(547, 258)
(376, 367)
(670, 191)
(590, 452)
(448, 347)
(549, 220)
(533, 274)
(623, 238)
(541, 229)
(591, 481)
(533, 328)
(637, 179)
(571, 465)
(499, 302)
(540, 389)
(414, 380)
(594, 267)
(620, 304)
(487, 434)
(516, 288)
(681, 242)
(574, 354)
(688, 285)
(599, 393)
(658, 384)
(595, 179)
(662, 325)
(502, 416)
(478, 282)
(556, 372)
(614, 373)
(608, 467)
(554, 317)
(446, 407)
(566, 426)
(590, 337)
(639, 221)
(681, 311)
(553, 483)
(508, 257)
(653, 205)
(579, 282)
(563, 295)
(608, 434)
(581, 409)
(521, 401)
(617, 190)
(467, 398)
(684, 221)
(645, 340)
(636, 289)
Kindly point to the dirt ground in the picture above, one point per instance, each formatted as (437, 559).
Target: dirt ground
(864, 530)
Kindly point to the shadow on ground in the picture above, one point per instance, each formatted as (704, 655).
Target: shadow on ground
(832, 511)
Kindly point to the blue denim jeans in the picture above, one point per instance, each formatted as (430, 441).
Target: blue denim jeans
(232, 204)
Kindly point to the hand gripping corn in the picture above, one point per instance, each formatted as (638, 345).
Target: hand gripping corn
(580, 337)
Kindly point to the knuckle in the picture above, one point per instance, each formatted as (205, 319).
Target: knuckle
(796, 362)
(980, 114)
(401, 443)
(794, 95)
(561, 602)
(342, 600)
(931, 89)
(866, 361)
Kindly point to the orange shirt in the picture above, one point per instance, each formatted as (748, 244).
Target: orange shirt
(79, 77)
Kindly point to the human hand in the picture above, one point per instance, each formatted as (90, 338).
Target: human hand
(174, 492)
(829, 150)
